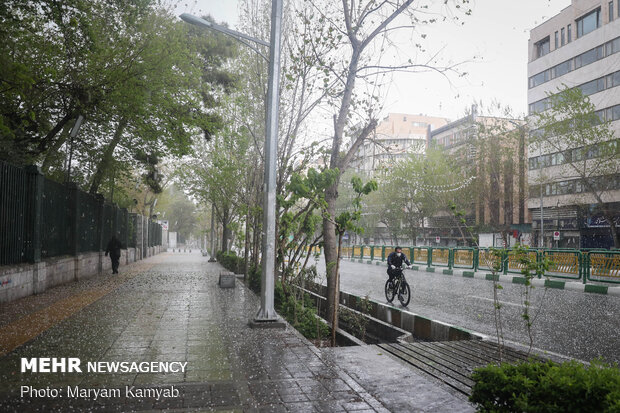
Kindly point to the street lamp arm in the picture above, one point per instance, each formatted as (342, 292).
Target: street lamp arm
(258, 52)
(243, 38)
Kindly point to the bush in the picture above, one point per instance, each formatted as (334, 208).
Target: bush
(230, 261)
(547, 387)
(302, 317)
(254, 279)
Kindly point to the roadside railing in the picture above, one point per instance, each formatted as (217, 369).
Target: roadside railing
(564, 263)
(421, 255)
(586, 265)
(603, 266)
(464, 257)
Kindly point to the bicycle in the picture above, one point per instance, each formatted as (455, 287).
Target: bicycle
(398, 284)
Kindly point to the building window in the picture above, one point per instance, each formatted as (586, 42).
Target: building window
(611, 11)
(563, 35)
(542, 47)
(589, 22)
(557, 40)
(569, 33)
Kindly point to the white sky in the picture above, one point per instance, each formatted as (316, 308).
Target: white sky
(497, 32)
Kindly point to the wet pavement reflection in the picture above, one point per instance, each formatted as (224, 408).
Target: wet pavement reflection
(173, 311)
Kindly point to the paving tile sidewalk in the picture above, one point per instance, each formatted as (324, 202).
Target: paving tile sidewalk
(175, 312)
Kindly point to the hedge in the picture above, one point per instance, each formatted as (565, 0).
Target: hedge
(547, 387)
(230, 261)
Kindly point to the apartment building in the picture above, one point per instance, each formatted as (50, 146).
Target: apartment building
(493, 150)
(396, 136)
(579, 47)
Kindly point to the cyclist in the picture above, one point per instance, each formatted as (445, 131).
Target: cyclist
(395, 261)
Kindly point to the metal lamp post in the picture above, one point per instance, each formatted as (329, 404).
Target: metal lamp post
(266, 316)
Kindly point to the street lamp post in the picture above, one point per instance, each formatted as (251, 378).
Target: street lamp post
(266, 316)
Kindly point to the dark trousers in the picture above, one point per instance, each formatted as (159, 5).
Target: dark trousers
(115, 258)
(393, 273)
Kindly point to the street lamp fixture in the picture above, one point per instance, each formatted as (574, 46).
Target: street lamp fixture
(240, 37)
(267, 316)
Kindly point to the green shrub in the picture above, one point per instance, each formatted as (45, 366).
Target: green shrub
(254, 279)
(230, 261)
(302, 317)
(547, 387)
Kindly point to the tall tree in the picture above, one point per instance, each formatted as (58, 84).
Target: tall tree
(585, 148)
(358, 34)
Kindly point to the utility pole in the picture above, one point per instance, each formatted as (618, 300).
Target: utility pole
(266, 316)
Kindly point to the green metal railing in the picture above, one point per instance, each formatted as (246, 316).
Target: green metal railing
(564, 263)
(464, 258)
(512, 264)
(441, 257)
(489, 260)
(420, 255)
(603, 266)
(589, 264)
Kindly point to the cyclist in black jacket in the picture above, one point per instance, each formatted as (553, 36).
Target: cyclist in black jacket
(395, 261)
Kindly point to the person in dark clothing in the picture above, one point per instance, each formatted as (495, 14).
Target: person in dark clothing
(395, 261)
(114, 249)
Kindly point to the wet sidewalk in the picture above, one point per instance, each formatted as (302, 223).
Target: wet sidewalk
(169, 309)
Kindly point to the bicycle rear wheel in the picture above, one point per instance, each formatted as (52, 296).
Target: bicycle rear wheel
(404, 295)
(390, 291)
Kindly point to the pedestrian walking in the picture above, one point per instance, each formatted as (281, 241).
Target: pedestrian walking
(114, 249)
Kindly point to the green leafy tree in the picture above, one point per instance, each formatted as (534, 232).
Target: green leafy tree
(217, 171)
(583, 137)
(350, 38)
(145, 88)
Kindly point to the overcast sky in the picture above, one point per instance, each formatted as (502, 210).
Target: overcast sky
(497, 32)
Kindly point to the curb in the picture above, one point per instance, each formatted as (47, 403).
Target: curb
(518, 279)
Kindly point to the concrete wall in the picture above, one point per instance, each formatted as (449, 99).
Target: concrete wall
(21, 280)
(420, 327)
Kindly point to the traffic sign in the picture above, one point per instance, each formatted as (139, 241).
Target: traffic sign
(556, 235)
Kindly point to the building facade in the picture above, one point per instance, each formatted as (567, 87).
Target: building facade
(579, 47)
(492, 150)
(396, 136)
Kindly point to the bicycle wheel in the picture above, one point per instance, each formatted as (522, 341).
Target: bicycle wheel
(404, 295)
(389, 291)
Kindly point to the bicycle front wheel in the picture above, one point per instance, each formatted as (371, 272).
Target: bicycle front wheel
(404, 295)
(390, 291)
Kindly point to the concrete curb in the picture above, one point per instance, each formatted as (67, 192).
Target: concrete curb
(518, 279)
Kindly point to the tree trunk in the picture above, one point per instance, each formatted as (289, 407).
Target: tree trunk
(337, 293)
(256, 242)
(47, 139)
(52, 153)
(246, 252)
(330, 249)
(225, 230)
(108, 155)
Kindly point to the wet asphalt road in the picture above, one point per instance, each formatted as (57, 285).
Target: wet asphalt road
(580, 325)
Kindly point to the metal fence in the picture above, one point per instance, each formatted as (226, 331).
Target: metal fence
(41, 218)
(585, 265)
(13, 203)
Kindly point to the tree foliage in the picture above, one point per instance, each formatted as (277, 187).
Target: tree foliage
(589, 150)
(143, 80)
